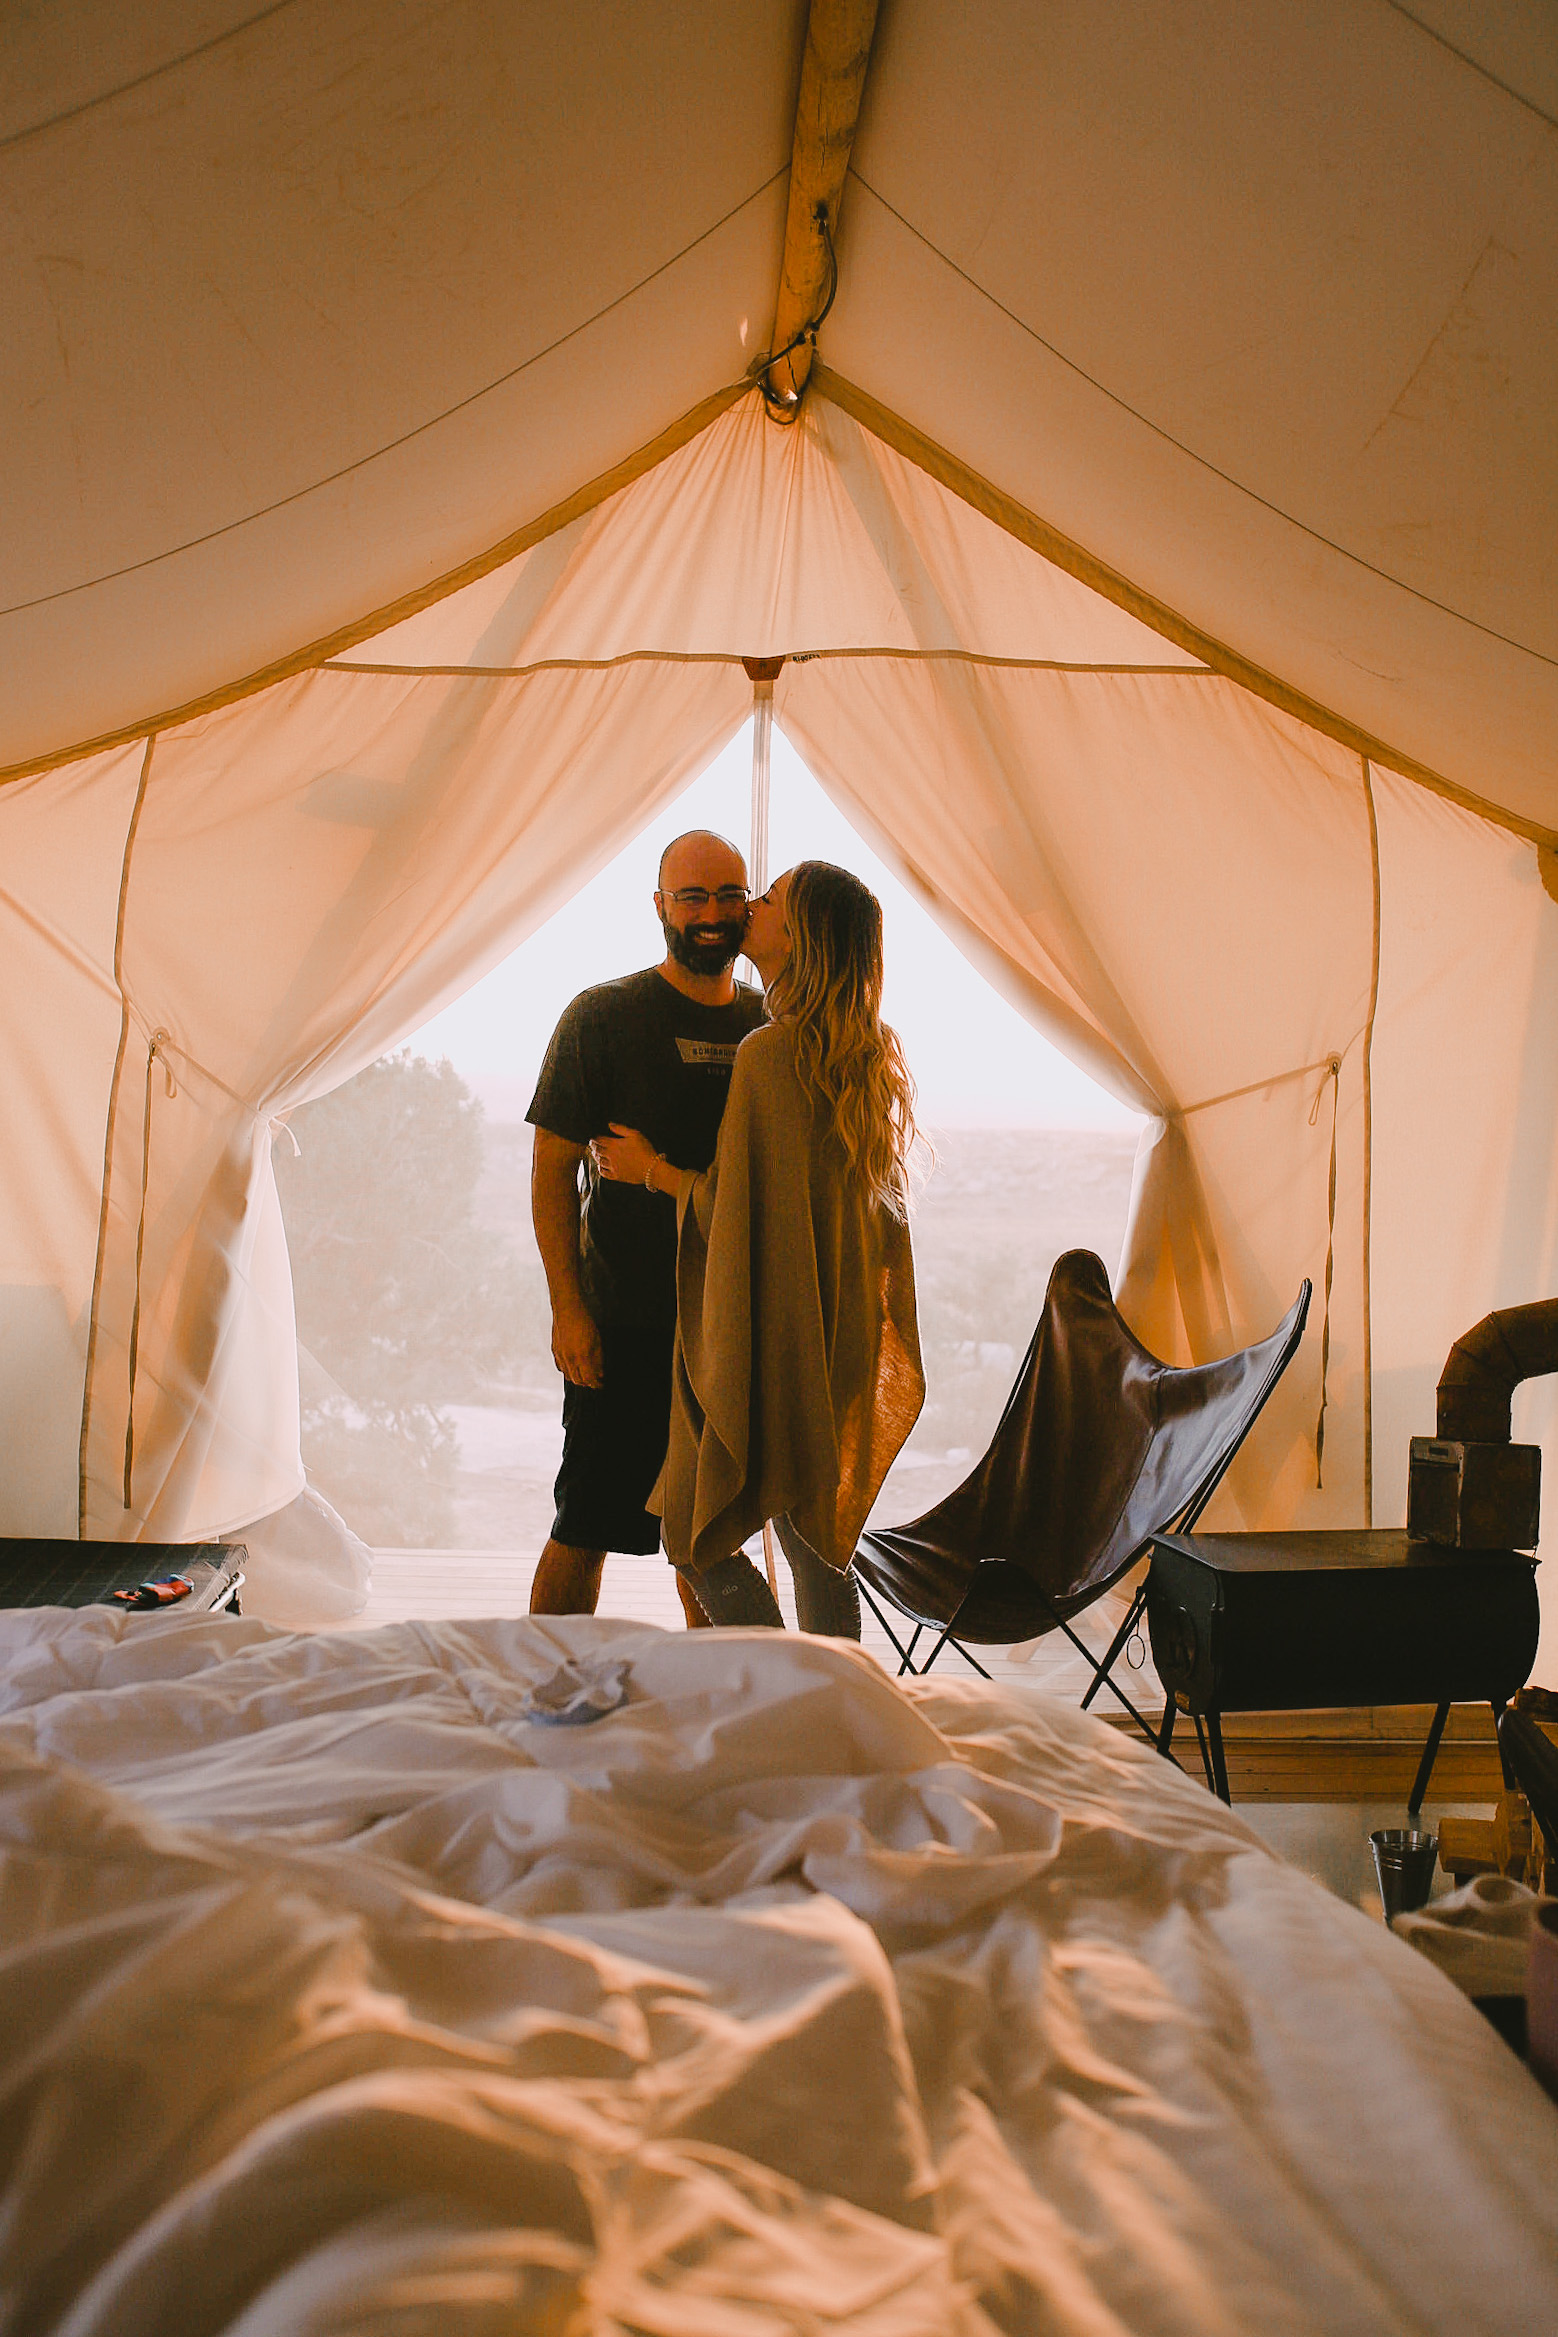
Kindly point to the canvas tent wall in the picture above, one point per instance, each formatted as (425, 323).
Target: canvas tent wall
(324, 441)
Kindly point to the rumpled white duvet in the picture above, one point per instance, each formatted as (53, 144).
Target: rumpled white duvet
(345, 1988)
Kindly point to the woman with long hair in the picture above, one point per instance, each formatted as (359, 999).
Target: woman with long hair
(797, 1374)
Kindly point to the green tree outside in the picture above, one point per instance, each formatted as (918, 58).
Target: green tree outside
(406, 1301)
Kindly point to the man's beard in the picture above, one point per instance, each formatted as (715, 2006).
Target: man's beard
(705, 949)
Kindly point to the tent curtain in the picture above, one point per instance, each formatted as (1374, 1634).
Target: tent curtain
(312, 876)
(1465, 1112)
(60, 867)
(1177, 882)
(1222, 914)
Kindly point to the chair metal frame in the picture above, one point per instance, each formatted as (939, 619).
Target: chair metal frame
(1102, 1668)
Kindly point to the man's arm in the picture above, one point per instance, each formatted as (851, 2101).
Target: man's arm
(554, 1209)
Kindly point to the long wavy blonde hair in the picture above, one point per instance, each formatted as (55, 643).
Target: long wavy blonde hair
(830, 995)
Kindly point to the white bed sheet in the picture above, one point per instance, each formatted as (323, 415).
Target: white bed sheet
(337, 1995)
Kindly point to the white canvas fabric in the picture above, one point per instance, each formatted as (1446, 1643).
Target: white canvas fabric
(306, 307)
(309, 313)
(1087, 826)
(314, 873)
(1172, 876)
(1259, 306)
(1255, 305)
(59, 887)
(1465, 1111)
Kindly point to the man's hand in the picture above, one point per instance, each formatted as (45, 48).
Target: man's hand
(576, 1348)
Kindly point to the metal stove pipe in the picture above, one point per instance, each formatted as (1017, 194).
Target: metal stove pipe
(1487, 1364)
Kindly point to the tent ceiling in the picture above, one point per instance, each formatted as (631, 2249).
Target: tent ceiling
(1512, 46)
(302, 322)
(1262, 308)
(73, 53)
(836, 542)
(312, 304)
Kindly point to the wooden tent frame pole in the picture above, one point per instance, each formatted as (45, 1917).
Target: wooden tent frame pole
(833, 79)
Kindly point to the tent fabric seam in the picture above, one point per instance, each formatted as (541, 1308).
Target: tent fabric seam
(979, 493)
(391, 445)
(316, 653)
(1474, 65)
(1355, 559)
(1064, 553)
(110, 1128)
(105, 97)
(508, 673)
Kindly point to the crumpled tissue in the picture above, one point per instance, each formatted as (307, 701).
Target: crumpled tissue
(577, 1693)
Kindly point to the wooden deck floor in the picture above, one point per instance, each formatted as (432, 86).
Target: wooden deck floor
(1369, 1754)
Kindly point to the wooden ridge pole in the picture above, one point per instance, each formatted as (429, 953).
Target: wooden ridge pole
(833, 79)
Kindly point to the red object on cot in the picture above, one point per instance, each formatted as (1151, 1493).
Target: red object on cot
(165, 1593)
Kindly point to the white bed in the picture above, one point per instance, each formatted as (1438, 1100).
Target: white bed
(340, 1995)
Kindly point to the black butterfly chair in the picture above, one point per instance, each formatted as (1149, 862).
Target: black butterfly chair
(1100, 1447)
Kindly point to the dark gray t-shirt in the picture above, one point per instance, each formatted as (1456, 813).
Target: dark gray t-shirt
(638, 1051)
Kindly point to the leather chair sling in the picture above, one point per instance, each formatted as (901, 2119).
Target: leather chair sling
(1100, 1446)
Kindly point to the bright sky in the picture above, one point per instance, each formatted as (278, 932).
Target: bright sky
(977, 1063)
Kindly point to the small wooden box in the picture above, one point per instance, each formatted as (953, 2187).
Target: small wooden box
(1474, 1496)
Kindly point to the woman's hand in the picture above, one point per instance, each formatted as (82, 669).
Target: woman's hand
(624, 1157)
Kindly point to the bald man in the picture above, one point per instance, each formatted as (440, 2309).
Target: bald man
(653, 1051)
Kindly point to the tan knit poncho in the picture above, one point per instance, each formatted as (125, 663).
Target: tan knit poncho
(797, 1373)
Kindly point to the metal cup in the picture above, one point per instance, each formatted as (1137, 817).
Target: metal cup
(1404, 1864)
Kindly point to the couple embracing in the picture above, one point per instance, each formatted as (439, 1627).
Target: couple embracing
(720, 1201)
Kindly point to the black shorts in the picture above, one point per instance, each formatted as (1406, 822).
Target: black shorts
(614, 1440)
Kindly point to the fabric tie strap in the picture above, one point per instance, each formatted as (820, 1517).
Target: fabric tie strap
(1333, 1073)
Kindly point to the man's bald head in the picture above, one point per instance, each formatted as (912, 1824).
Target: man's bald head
(700, 858)
(703, 933)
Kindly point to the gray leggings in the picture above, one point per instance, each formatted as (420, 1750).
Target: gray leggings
(826, 1601)
(733, 1591)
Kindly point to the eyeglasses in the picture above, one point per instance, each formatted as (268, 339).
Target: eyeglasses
(695, 896)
